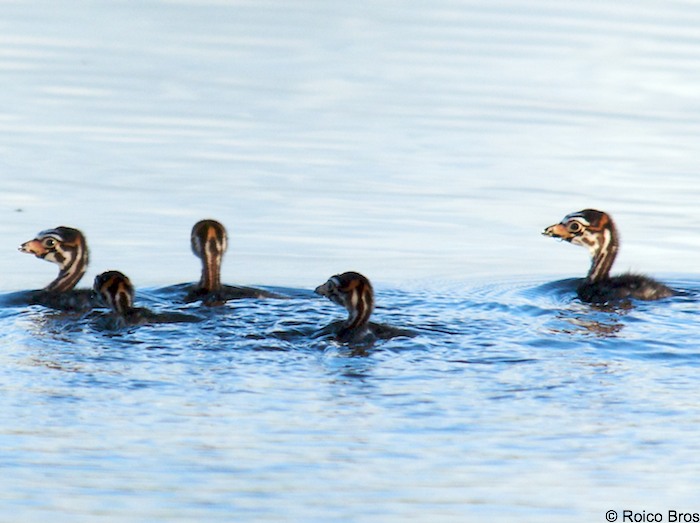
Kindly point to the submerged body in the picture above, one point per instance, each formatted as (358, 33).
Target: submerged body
(354, 292)
(67, 248)
(225, 293)
(209, 242)
(595, 230)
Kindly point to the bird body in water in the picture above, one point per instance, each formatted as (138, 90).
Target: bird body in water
(209, 241)
(67, 248)
(116, 291)
(596, 231)
(354, 292)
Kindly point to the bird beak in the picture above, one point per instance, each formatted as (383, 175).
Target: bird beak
(33, 247)
(322, 289)
(557, 231)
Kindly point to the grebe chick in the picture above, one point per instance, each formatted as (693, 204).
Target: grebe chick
(209, 242)
(67, 248)
(354, 292)
(596, 231)
(116, 291)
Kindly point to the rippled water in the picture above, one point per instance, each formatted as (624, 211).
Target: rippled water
(423, 144)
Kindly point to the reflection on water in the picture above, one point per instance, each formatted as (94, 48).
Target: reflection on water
(425, 145)
(607, 327)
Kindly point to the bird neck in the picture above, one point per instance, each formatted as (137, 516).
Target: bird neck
(211, 273)
(359, 309)
(604, 256)
(70, 272)
(122, 304)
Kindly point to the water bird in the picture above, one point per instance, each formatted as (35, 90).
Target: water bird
(595, 230)
(209, 241)
(67, 248)
(116, 291)
(354, 292)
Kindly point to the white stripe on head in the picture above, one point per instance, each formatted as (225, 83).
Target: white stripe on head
(576, 216)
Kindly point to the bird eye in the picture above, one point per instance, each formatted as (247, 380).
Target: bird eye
(574, 227)
(49, 243)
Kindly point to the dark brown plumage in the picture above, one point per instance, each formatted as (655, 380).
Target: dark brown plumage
(209, 241)
(67, 248)
(116, 291)
(595, 230)
(354, 292)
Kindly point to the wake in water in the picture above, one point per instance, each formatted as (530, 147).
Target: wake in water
(509, 315)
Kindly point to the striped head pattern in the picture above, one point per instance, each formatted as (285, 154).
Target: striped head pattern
(209, 243)
(67, 248)
(116, 291)
(352, 291)
(593, 230)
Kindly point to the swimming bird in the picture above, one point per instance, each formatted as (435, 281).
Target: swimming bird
(354, 292)
(116, 291)
(67, 248)
(209, 242)
(595, 230)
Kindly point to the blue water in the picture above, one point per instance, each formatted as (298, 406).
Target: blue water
(514, 401)
(425, 145)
